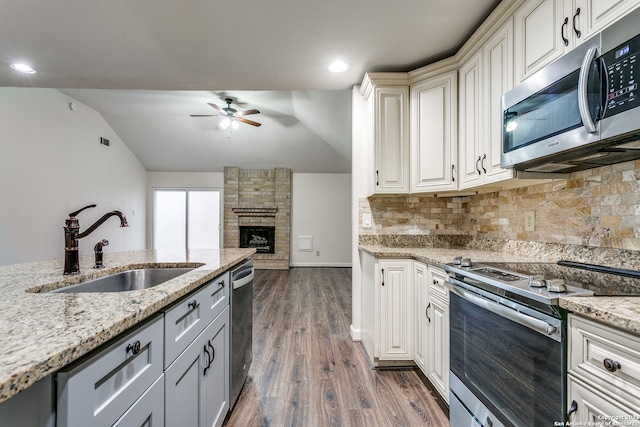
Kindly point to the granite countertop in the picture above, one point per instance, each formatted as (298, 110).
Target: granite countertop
(42, 332)
(622, 312)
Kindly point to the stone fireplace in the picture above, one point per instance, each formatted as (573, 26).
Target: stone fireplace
(257, 211)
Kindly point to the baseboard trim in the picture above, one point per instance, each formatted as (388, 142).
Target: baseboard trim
(321, 264)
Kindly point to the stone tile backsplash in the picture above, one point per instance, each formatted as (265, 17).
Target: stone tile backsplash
(596, 208)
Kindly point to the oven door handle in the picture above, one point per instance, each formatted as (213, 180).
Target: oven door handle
(530, 322)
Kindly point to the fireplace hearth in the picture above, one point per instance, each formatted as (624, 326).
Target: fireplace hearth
(260, 238)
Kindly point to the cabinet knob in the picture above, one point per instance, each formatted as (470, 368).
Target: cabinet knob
(611, 365)
(134, 348)
(221, 283)
(435, 282)
(193, 304)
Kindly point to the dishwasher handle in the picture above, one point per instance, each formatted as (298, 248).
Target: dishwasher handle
(523, 319)
(242, 281)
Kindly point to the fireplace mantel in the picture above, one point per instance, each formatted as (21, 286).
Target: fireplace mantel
(255, 211)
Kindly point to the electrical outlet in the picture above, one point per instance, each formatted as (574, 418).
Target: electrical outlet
(529, 221)
(366, 220)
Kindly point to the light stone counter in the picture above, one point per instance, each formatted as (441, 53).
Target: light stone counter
(42, 332)
(622, 312)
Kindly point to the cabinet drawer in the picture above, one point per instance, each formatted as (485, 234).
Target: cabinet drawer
(188, 318)
(98, 390)
(437, 277)
(605, 357)
(148, 411)
(594, 408)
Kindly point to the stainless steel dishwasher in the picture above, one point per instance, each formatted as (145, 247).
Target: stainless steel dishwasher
(241, 326)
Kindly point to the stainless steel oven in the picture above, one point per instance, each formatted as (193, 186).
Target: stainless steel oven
(508, 338)
(505, 357)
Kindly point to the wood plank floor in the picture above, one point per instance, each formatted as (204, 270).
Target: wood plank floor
(307, 372)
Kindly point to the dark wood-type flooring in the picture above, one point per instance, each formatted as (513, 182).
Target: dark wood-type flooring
(307, 372)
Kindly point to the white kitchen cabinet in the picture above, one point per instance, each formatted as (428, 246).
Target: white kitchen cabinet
(484, 78)
(421, 289)
(470, 122)
(197, 383)
(98, 390)
(148, 410)
(395, 309)
(387, 310)
(387, 97)
(432, 331)
(547, 29)
(603, 372)
(185, 320)
(434, 142)
(437, 312)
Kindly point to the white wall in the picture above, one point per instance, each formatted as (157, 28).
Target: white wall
(321, 208)
(362, 166)
(51, 163)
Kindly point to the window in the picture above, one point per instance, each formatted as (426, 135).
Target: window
(186, 219)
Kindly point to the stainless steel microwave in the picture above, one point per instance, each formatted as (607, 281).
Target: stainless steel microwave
(581, 111)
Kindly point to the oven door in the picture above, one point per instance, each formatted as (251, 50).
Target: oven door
(509, 357)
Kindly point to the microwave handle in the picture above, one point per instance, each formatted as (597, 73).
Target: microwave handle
(583, 101)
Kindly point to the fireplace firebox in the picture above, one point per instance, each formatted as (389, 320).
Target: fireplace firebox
(261, 238)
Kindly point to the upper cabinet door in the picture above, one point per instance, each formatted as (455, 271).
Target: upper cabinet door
(542, 34)
(591, 16)
(498, 79)
(470, 122)
(391, 139)
(433, 134)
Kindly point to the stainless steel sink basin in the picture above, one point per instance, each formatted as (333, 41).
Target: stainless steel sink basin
(129, 280)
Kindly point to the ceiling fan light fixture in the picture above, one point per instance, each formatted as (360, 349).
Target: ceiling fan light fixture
(225, 123)
(338, 66)
(23, 68)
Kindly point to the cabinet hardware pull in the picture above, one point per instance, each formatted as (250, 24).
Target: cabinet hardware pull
(213, 352)
(426, 312)
(377, 179)
(573, 408)
(611, 365)
(453, 176)
(484, 158)
(477, 168)
(489, 422)
(134, 348)
(564, 26)
(383, 277)
(208, 360)
(194, 304)
(577, 31)
(435, 282)
(221, 283)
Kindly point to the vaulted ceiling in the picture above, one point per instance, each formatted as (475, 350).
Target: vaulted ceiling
(147, 65)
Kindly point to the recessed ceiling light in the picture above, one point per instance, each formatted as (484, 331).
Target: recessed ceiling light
(338, 66)
(23, 68)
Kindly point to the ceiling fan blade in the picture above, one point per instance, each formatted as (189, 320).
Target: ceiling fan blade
(249, 122)
(205, 115)
(215, 107)
(248, 112)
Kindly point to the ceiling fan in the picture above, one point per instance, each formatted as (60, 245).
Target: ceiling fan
(231, 115)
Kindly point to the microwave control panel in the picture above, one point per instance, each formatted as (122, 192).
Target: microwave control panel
(621, 68)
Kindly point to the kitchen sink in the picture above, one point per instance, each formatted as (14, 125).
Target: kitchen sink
(129, 280)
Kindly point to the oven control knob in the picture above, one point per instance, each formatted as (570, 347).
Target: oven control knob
(556, 285)
(466, 262)
(457, 260)
(537, 281)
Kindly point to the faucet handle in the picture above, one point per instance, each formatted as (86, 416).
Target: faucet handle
(72, 214)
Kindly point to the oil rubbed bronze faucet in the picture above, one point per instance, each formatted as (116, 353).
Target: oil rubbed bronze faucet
(72, 235)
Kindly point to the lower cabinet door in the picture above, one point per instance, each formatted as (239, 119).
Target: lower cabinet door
(148, 411)
(594, 408)
(184, 386)
(216, 379)
(197, 383)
